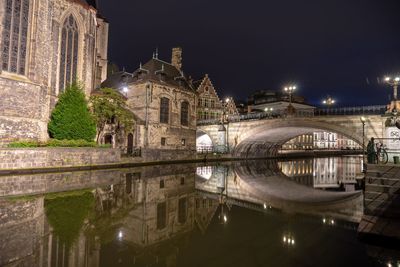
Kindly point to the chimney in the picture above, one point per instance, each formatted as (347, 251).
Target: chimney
(176, 60)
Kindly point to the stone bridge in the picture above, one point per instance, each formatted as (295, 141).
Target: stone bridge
(263, 137)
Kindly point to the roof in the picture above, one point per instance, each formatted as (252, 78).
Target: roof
(117, 80)
(162, 72)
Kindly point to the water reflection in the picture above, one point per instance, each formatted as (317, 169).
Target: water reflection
(175, 216)
(338, 173)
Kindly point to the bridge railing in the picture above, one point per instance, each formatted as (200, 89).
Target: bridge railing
(361, 110)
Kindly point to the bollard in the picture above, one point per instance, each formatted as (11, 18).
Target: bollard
(396, 159)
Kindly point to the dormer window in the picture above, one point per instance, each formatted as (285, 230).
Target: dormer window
(161, 73)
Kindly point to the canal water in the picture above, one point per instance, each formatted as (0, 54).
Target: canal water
(301, 212)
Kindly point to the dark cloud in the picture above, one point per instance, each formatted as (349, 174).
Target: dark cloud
(327, 47)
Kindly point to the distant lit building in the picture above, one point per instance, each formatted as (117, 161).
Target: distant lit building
(301, 142)
(277, 101)
(324, 173)
(329, 140)
(320, 140)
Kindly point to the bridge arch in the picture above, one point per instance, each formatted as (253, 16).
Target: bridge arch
(266, 137)
(204, 141)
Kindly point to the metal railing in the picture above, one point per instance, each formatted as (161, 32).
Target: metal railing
(361, 110)
(210, 149)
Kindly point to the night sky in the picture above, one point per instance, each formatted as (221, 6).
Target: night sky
(335, 47)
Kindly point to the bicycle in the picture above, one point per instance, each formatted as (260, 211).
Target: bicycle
(381, 154)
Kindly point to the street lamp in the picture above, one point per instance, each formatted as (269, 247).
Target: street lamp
(125, 90)
(393, 82)
(329, 101)
(225, 117)
(363, 120)
(290, 90)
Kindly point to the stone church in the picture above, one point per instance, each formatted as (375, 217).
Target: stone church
(44, 46)
(163, 100)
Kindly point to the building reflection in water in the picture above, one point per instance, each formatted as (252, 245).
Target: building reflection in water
(338, 173)
(128, 223)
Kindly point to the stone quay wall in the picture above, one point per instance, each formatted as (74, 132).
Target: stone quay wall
(27, 158)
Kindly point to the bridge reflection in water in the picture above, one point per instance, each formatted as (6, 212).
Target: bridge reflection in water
(168, 215)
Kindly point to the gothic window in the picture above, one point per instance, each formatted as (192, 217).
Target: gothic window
(164, 110)
(15, 36)
(69, 52)
(185, 113)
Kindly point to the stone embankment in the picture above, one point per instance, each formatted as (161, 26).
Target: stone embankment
(381, 222)
(42, 160)
(32, 158)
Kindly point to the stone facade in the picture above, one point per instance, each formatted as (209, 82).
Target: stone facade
(163, 102)
(28, 94)
(11, 158)
(209, 106)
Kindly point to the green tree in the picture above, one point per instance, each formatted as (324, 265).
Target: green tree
(71, 118)
(109, 107)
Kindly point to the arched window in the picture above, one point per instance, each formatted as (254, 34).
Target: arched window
(15, 36)
(185, 113)
(68, 53)
(164, 110)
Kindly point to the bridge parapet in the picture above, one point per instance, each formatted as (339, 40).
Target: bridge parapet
(303, 113)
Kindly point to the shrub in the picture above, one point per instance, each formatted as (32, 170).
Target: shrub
(20, 144)
(109, 107)
(70, 143)
(71, 118)
(56, 143)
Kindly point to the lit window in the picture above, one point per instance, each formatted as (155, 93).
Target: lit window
(15, 36)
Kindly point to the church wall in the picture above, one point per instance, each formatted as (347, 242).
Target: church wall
(26, 101)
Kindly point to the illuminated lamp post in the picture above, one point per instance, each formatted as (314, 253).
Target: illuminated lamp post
(289, 90)
(222, 131)
(269, 111)
(363, 120)
(329, 101)
(394, 82)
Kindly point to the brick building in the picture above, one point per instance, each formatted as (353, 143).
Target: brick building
(45, 45)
